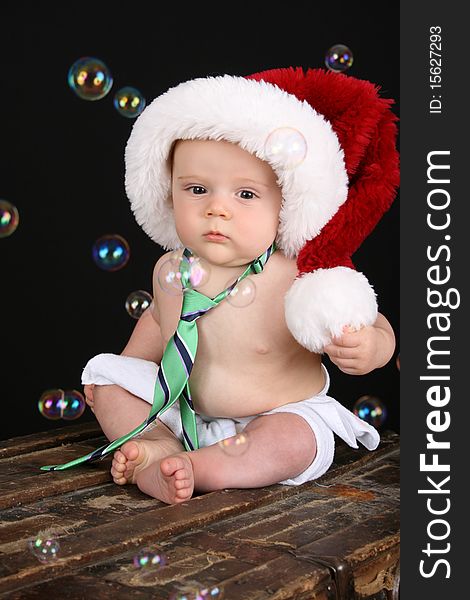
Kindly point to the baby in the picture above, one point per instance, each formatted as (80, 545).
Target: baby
(250, 374)
(274, 179)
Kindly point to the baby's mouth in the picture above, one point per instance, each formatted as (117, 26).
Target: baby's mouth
(215, 236)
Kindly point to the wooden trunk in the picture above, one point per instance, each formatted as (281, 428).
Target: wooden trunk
(335, 538)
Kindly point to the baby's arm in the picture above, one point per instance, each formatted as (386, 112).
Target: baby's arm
(145, 342)
(359, 352)
(146, 339)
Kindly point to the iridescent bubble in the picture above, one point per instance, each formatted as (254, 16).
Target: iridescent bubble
(149, 558)
(195, 272)
(50, 404)
(370, 409)
(242, 294)
(192, 590)
(137, 303)
(9, 218)
(285, 146)
(129, 102)
(90, 78)
(73, 404)
(169, 277)
(338, 58)
(111, 252)
(236, 445)
(57, 404)
(44, 549)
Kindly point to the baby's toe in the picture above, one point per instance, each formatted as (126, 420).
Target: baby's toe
(118, 467)
(117, 475)
(181, 484)
(183, 494)
(170, 466)
(130, 451)
(182, 471)
(119, 457)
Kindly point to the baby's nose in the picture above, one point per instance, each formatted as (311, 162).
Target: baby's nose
(218, 209)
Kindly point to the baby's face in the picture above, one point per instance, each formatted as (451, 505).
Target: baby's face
(226, 201)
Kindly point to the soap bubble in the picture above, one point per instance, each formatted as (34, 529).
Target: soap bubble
(338, 58)
(44, 549)
(137, 303)
(370, 409)
(73, 405)
(149, 558)
(9, 218)
(50, 404)
(285, 146)
(195, 272)
(57, 404)
(178, 273)
(192, 590)
(169, 277)
(111, 252)
(129, 102)
(236, 445)
(242, 294)
(90, 78)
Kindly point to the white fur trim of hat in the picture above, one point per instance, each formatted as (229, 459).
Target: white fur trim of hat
(209, 108)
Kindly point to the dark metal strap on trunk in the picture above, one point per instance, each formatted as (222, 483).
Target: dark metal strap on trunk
(340, 570)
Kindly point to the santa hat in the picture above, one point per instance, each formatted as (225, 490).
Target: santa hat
(331, 200)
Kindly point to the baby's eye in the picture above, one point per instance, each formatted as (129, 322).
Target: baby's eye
(197, 189)
(247, 195)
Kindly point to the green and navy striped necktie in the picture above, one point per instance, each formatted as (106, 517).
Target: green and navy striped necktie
(176, 364)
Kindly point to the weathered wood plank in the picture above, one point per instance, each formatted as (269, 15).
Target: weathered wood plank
(361, 527)
(239, 570)
(48, 439)
(66, 513)
(114, 538)
(296, 526)
(379, 573)
(22, 481)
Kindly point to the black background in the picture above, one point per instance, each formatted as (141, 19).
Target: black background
(62, 166)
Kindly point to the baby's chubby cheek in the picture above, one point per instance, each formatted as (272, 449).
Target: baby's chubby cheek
(257, 238)
(184, 229)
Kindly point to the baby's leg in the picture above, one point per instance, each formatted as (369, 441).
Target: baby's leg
(281, 446)
(118, 412)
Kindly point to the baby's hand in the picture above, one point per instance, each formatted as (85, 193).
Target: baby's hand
(88, 390)
(355, 352)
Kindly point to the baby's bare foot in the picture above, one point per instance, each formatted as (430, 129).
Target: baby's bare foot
(133, 457)
(170, 480)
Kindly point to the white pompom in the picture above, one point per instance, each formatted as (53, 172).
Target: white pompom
(320, 304)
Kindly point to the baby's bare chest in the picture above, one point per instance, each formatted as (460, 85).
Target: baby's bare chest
(248, 352)
(241, 325)
(238, 332)
(259, 326)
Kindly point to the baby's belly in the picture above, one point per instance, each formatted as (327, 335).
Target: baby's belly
(250, 387)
